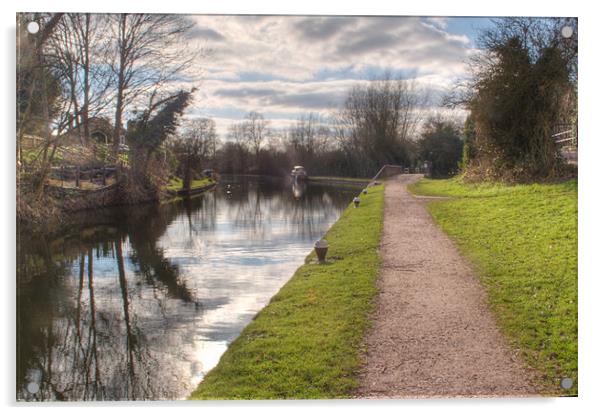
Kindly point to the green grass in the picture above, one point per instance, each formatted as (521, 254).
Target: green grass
(307, 342)
(176, 183)
(522, 240)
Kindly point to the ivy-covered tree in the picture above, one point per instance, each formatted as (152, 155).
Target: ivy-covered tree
(468, 146)
(516, 104)
(151, 128)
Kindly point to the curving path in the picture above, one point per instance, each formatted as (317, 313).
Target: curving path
(433, 333)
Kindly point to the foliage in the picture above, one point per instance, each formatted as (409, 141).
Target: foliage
(146, 134)
(148, 131)
(523, 86)
(536, 34)
(468, 145)
(440, 143)
(81, 65)
(307, 342)
(233, 158)
(151, 128)
(523, 241)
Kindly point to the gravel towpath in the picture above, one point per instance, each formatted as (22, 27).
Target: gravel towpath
(433, 333)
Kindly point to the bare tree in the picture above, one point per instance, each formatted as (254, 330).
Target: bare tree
(378, 120)
(72, 82)
(194, 146)
(302, 135)
(79, 53)
(202, 130)
(150, 52)
(308, 137)
(255, 131)
(35, 78)
(32, 76)
(236, 133)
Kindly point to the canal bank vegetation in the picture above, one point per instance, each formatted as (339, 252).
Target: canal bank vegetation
(522, 240)
(176, 184)
(307, 342)
(98, 97)
(522, 101)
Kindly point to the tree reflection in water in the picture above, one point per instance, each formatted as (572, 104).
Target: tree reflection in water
(140, 303)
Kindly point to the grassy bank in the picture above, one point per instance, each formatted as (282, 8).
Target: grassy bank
(307, 342)
(175, 184)
(523, 242)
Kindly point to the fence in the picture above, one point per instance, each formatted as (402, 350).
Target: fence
(97, 176)
(565, 134)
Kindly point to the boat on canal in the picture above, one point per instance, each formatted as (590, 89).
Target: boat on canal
(299, 173)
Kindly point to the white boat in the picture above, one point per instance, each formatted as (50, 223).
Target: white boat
(299, 173)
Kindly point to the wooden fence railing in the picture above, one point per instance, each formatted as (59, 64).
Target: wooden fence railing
(565, 134)
(75, 173)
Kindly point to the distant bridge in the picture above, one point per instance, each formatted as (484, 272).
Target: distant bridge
(389, 170)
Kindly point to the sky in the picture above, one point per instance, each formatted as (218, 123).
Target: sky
(285, 66)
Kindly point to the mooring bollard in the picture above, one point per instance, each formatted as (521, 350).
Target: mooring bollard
(321, 247)
(356, 201)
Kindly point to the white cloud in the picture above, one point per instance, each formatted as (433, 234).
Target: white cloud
(286, 65)
(439, 22)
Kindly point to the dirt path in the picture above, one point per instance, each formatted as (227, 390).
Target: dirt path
(433, 333)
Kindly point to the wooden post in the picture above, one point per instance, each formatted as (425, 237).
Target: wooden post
(77, 176)
(104, 176)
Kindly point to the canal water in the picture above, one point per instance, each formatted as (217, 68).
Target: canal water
(141, 302)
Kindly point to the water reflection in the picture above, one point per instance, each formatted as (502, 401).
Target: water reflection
(142, 303)
(299, 188)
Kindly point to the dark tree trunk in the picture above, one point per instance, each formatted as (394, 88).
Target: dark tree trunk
(187, 175)
(86, 106)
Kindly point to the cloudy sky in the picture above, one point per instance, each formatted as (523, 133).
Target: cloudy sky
(283, 66)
